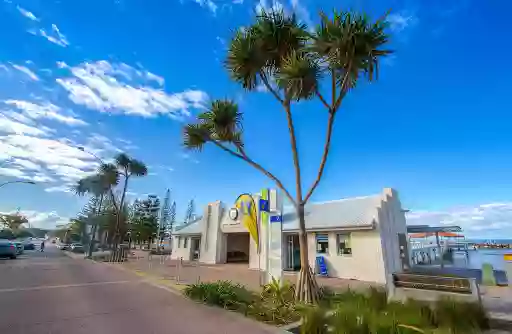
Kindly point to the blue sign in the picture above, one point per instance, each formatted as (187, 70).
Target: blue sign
(276, 219)
(264, 205)
(321, 265)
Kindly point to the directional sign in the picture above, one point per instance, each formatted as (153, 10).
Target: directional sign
(276, 219)
(264, 205)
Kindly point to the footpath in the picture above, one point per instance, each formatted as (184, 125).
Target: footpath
(174, 275)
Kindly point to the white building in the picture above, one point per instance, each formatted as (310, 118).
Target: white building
(359, 238)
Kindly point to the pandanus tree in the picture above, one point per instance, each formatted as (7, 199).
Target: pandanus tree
(293, 64)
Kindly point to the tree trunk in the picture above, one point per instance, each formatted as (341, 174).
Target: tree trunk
(307, 290)
(91, 242)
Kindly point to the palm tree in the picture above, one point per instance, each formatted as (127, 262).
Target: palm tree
(278, 52)
(98, 186)
(124, 167)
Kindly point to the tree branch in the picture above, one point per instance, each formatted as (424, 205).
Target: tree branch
(295, 151)
(256, 165)
(330, 123)
(322, 99)
(264, 79)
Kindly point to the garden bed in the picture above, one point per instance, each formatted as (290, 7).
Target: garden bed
(343, 312)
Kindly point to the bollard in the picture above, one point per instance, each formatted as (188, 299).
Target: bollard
(198, 272)
(178, 271)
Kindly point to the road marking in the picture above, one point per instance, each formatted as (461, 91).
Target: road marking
(46, 287)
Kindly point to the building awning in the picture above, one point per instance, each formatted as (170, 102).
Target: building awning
(431, 234)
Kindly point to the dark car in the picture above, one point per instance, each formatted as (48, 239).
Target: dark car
(8, 249)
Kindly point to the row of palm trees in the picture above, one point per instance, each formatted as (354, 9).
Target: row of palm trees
(107, 207)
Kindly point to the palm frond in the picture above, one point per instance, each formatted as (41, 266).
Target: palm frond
(122, 160)
(299, 75)
(195, 136)
(351, 45)
(137, 168)
(223, 120)
(109, 173)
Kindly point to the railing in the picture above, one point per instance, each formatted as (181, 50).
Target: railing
(438, 283)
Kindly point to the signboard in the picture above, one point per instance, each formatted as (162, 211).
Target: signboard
(322, 267)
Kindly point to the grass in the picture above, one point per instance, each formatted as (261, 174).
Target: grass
(351, 312)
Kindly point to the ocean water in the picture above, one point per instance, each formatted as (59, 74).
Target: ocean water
(478, 257)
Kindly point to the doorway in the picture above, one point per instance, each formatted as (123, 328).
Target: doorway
(195, 246)
(292, 252)
(237, 247)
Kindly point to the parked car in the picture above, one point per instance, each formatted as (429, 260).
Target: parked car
(28, 245)
(77, 248)
(19, 247)
(8, 249)
(63, 246)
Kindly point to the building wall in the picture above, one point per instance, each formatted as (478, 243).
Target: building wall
(365, 263)
(213, 242)
(179, 250)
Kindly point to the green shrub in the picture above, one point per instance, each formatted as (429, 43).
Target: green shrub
(279, 293)
(461, 317)
(222, 293)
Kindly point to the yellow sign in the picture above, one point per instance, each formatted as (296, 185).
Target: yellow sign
(507, 257)
(246, 207)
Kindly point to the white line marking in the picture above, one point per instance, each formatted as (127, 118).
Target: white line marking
(46, 287)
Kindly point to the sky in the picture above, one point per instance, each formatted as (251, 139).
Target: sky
(126, 75)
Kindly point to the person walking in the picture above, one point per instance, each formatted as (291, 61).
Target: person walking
(42, 246)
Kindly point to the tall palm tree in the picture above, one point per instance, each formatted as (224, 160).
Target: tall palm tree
(121, 170)
(279, 53)
(98, 186)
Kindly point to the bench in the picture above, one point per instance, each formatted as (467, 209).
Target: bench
(432, 288)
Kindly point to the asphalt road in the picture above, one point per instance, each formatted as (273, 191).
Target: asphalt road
(51, 293)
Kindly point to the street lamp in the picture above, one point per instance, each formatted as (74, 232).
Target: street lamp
(17, 181)
(81, 148)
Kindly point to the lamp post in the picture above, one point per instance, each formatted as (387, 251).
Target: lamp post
(17, 181)
(81, 148)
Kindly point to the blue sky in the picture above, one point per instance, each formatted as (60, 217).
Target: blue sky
(125, 75)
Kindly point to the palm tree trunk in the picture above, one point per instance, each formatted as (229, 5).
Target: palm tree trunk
(117, 233)
(307, 288)
(94, 228)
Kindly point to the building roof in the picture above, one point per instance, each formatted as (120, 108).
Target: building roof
(432, 229)
(350, 213)
(357, 212)
(193, 227)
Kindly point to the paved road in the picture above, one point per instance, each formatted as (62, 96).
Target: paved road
(51, 293)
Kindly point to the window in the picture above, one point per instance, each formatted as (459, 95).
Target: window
(344, 247)
(185, 242)
(322, 243)
(178, 242)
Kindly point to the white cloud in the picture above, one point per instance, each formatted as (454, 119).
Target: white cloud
(302, 13)
(398, 22)
(27, 14)
(121, 88)
(46, 111)
(27, 164)
(272, 5)
(62, 188)
(8, 125)
(45, 220)
(28, 72)
(54, 36)
(208, 4)
(486, 220)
